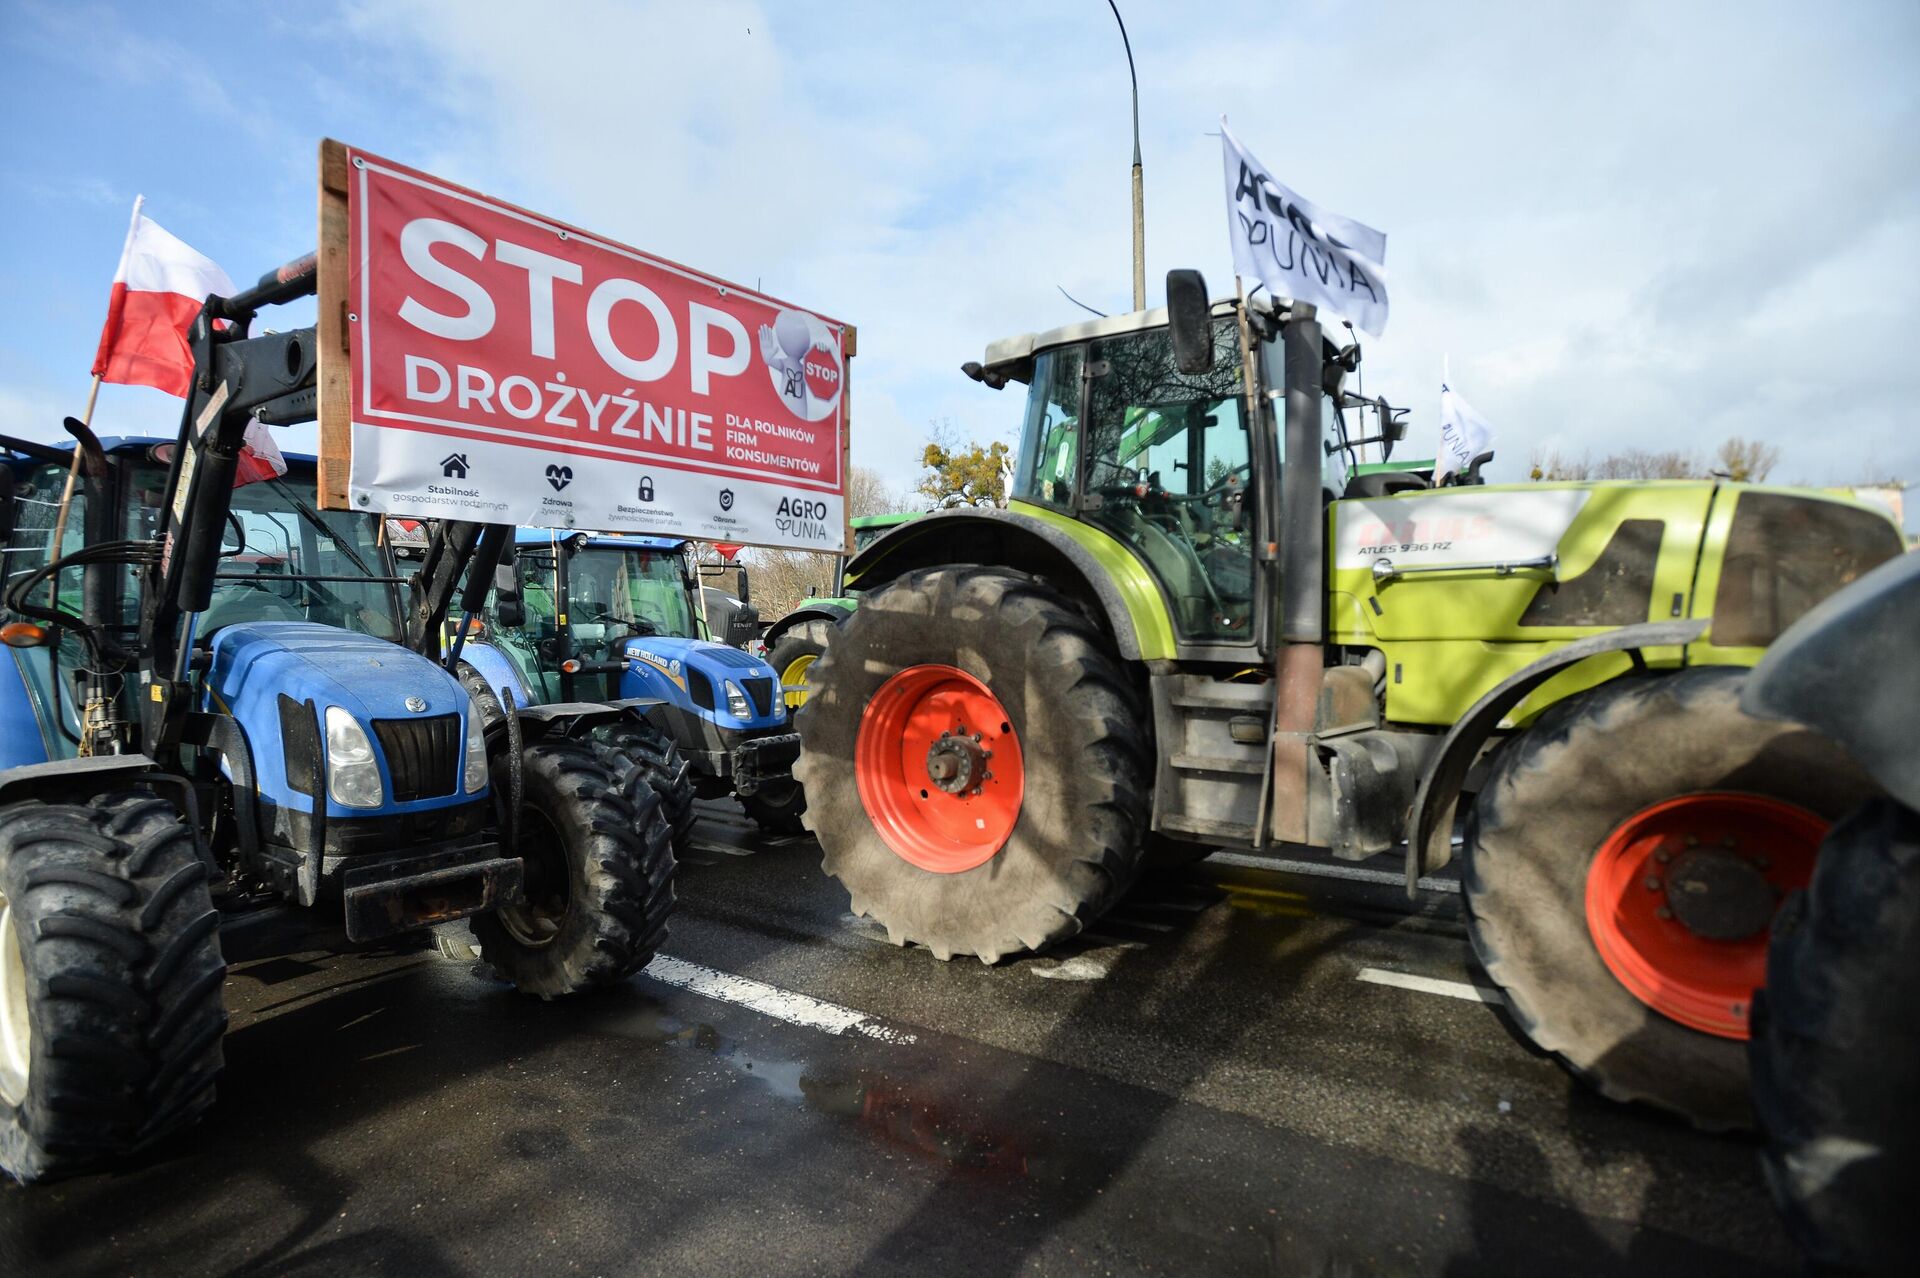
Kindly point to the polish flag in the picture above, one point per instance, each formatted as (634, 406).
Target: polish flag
(159, 288)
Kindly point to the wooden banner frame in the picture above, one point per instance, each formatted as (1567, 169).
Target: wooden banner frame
(333, 372)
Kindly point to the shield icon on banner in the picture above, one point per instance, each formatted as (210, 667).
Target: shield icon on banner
(726, 499)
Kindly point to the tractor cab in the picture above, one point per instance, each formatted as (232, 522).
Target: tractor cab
(617, 620)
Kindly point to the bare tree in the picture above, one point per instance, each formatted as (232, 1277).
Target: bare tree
(782, 578)
(1746, 460)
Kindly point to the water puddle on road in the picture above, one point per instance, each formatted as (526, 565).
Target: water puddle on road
(890, 1113)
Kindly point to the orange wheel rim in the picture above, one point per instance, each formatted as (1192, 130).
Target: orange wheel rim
(939, 768)
(1680, 898)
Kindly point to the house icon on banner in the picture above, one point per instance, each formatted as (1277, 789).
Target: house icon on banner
(454, 465)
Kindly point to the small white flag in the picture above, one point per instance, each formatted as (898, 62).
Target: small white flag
(1299, 250)
(1464, 433)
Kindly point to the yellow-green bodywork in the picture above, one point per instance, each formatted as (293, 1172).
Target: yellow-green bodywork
(1450, 636)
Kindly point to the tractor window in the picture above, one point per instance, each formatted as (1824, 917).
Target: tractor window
(284, 559)
(1169, 472)
(1051, 431)
(614, 593)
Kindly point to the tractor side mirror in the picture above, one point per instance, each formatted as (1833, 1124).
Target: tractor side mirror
(509, 611)
(1189, 317)
(743, 593)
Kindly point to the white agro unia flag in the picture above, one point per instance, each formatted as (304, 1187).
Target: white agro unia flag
(1299, 250)
(1464, 433)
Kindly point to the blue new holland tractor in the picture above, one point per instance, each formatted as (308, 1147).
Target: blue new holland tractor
(616, 620)
(227, 730)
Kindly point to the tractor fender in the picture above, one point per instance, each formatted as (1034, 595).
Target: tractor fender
(73, 780)
(565, 718)
(492, 666)
(1447, 772)
(832, 614)
(978, 535)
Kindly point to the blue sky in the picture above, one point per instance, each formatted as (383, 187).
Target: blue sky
(1647, 225)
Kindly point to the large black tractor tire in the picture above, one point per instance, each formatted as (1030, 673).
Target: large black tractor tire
(1553, 796)
(666, 770)
(797, 652)
(1836, 1048)
(1074, 843)
(778, 807)
(599, 873)
(110, 982)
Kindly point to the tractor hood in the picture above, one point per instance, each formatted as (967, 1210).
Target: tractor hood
(370, 678)
(263, 673)
(697, 671)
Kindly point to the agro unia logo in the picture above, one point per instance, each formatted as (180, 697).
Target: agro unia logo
(799, 354)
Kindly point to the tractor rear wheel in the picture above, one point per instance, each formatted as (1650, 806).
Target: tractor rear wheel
(1623, 862)
(793, 657)
(976, 763)
(110, 982)
(1836, 1048)
(599, 873)
(667, 772)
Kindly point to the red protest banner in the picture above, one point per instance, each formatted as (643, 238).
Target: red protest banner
(510, 368)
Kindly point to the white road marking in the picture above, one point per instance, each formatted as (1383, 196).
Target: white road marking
(771, 1000)
(1352, 872)
(1428, 985)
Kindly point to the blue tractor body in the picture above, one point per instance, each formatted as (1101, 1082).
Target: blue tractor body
(618, 620)
(270, 665)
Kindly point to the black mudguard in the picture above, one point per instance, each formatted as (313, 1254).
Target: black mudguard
(1851, 669)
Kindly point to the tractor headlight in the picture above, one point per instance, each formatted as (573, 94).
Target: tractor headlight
(475, 773)
(737, 702)
(353, 774)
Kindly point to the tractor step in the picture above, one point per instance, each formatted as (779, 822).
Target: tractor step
(1214, 756)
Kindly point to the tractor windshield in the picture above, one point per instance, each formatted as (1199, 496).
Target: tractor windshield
(283, 559)
(1168, 467)
(614, 592)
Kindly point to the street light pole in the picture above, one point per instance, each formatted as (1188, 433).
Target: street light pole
(1139, 206)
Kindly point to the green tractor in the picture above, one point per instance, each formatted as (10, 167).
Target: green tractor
(796, 641)
(1195, 626)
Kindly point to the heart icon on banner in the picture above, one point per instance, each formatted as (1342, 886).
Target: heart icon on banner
(559, 476)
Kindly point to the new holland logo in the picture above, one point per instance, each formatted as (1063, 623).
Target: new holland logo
(726, 499)
(668, 667)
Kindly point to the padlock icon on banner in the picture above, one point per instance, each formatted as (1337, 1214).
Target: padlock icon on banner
(646, 488)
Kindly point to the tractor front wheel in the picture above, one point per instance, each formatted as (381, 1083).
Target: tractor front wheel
(1836, 1048)
(976, 763)
(666, 770)
(598, 863)
(777, 807)
(1623, 862)
(110, 982)
(793, 657)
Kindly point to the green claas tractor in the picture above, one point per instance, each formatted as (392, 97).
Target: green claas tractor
(796, 641)
(1194, 627)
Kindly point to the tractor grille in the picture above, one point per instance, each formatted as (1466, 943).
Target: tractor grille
(760, 692)
(423, 755)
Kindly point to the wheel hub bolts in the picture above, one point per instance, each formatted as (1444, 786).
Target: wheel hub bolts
(957, 764)
(1718, 895)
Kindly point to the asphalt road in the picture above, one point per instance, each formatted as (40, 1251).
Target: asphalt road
(1243, 1071)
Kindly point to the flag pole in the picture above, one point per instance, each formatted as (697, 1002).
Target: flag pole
(73, 473)
(86, 417)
